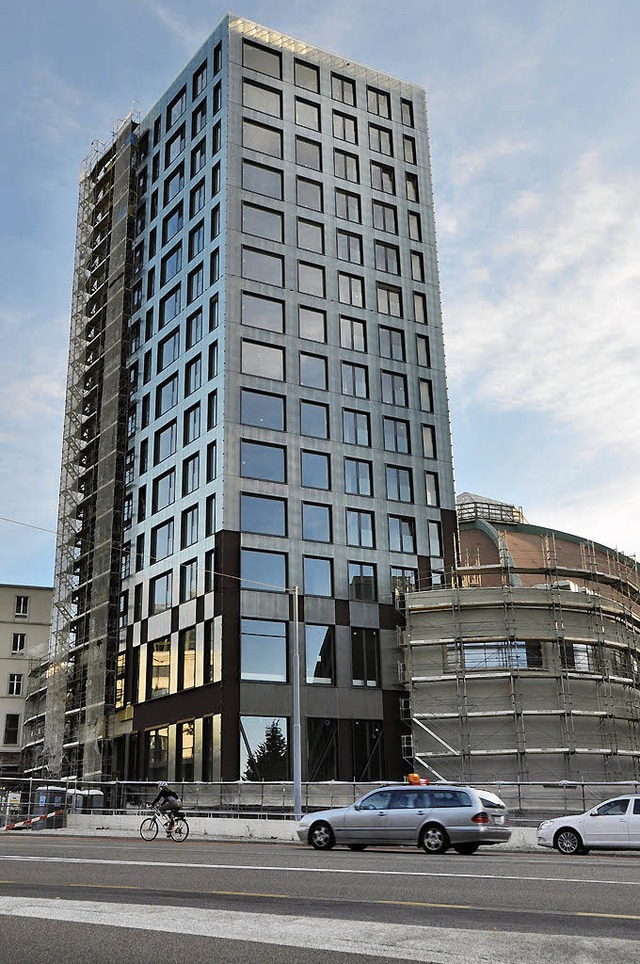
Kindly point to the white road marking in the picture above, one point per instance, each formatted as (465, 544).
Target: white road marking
(429, 945)
(317, 870)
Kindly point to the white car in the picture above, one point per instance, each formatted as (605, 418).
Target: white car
(613, 825)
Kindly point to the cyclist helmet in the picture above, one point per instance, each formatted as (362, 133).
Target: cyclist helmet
(162, 783)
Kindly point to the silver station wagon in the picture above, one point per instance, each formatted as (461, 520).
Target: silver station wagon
(434, 817)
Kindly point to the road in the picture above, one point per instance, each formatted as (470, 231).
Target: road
(110, 900)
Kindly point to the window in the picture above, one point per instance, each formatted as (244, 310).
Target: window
(350, 290)
(426, 395)
(360, 528)
(215, 180)
(412, 191)
(355, 380)
(314, 419)
(263, 267)
(15, 681)
(261, 461)
(306, 75)
(315, 470)
(164, 490)
(343, 90)
(385, 217)
(172, 223)
(435, 539)
(378, 102)
(348, 206)
(313, 371)
(263, 515)
(11, 729)
(391, 343)
(417, 266)
(215, 222)
(320, 654)
(423, 352)
(194, 328)
(345, 128)
(346, 166)
(362, 582)
(262, 222)
(262, 59)
(317, 576)
(407, 112)
(190, 474)
(312, 324)
(420, 307)
(199, 80)
(432, 488)
(409, 147)
(365, 663)
(174, 184)
(260, 312)
(263, 571)
(262, 180)
(261, 98)
(164, 443)
(429, 442)
(383, 178)
(166, 395)
(18, 642)
(175, 146)
(356, 427)
(399, 484)
(415, 226)
(380, 140)
(196, 240)
(403, 580)
(212, 410)
(349, 247)
(160, 593)
(192, 424)
(158, 667)
(307, 114)
(261, 138)
(311, 279)
(394, 388)
(353, 334)
(309, 194)
(161, 541)
(402, 534)
(189, 527)
(308, 153)
(267, 361)
(389, 300)
(177, 107)
(195, 283)
(316, 522)
(212, 462)
(262, 409)
(396, 435)
(171, 264)
(263, 650)
(310, 236)
(358, 477)
(387, 257)
(197, 198)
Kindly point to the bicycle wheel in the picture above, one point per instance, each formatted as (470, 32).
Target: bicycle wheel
(149, 828)
(180, 830)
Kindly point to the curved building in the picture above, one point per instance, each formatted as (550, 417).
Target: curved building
(528, 668)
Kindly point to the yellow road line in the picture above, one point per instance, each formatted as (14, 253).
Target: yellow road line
(248, 893)
(106, 886)
(586, 913)
(423, 903)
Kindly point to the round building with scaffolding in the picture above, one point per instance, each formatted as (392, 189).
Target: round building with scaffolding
(528, 667)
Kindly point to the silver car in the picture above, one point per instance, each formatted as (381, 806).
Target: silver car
(434, 817)
(613, 825)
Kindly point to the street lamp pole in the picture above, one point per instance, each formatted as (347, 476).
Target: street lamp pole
(297, 750)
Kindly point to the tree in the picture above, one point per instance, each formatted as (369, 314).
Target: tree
(270, 760)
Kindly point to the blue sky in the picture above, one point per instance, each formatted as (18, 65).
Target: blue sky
(533, 112)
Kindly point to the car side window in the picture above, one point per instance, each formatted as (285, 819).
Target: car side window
(614, 808)
(491, 804)
(405, 800)
(450, 798)
(377, 801)
(636, 807)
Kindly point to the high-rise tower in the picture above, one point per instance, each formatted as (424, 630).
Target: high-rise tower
(256, 402)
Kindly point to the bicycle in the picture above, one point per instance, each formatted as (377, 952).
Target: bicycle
(150, 826)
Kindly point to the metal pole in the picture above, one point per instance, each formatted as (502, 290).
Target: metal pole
(297, 752)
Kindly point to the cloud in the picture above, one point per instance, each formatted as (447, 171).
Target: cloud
(190, 34)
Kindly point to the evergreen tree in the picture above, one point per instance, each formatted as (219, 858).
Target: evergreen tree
(270, 760)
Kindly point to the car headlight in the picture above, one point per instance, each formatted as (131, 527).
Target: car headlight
(545, 824)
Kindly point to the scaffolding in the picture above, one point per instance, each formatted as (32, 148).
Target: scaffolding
(84, 641)
(528, 671)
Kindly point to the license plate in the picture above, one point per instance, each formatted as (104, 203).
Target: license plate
(498, 818)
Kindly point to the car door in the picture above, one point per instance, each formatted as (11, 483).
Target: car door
(406, 813)
(367, 822)
(634, 824)
(608, 824)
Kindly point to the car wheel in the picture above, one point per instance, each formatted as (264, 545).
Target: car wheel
(434, 839)
(465, 848)
(568, 842)
(321, 836)
(357, 846)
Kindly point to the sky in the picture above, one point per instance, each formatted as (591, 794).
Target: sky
(533, 117)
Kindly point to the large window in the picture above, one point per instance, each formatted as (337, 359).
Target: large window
(262, 59)
(383, 178)
(267, 361)
(311, 279)
(396, 435)
(353, 334)
(164, 490)
(165, 442)
(365, 660)
(385, 217)
(263, 650)
(307, 114)
(356, 427)
(360, 528)
(264, 748)
(355, 380)
(402, 534)
(262, 98)
(187, 658)
(262, 409)
(313, 371)
(391, 343)
(262, 180)
(380, 140)
(394, 388)
(314, 419)
(161, 541)
(307, 76)
(320, 655)
(262, 222)
(310, 236)
(263, 571)
(378, 102)
(308, 154)
(350, 289)
(349, 247)
(262, 514)
(343, 89)
(346, 166)
(367, 750)
(261, 138)
(260, 312)
(312, 324)
(389, 300)
(318, 576)
(399, 484)
(262, 461)
(316, 522)
(309, 194)
(494, 654)
(262, 266)
(315, 470)
(403, 579)
(345, 127)
(348, 206)
(362, 581)
(358, 477)
(158, 667)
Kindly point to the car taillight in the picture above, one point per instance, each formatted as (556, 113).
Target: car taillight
(481, 817)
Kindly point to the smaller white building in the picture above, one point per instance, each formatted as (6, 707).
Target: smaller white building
(25, 621)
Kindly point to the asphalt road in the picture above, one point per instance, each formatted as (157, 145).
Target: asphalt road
(110, 900)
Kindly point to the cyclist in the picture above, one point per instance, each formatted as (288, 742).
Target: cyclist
(170, 804)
